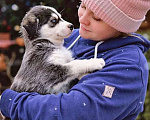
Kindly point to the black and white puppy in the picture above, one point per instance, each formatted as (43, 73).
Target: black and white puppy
(47, 67)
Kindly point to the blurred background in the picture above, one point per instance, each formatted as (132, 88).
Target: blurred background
(12, 45)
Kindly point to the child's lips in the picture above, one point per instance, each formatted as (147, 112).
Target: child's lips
(85, 29)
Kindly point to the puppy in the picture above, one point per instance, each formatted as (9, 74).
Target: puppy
(47, 67)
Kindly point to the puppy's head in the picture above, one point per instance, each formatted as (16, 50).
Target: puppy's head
(45, 22)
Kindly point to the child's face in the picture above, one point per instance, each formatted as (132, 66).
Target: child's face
(91, 27)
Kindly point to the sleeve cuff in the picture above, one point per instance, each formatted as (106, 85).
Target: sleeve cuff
(6, 101)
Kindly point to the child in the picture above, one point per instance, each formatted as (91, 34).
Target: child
(116, 92)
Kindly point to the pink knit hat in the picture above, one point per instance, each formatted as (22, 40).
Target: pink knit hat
(123, 15)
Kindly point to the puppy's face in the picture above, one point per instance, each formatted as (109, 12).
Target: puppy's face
(46, 22)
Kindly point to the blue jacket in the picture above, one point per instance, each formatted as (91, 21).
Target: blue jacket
(116, 92)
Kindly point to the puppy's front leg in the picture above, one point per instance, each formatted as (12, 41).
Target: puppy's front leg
(78, 67)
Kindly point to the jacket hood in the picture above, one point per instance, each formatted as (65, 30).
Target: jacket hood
(86, 46)
(133, 39)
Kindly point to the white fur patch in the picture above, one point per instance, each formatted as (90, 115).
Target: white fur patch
(60, 56)
(54, 15)
(53, 9)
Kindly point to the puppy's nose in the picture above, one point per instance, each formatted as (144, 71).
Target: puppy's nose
(71, 26)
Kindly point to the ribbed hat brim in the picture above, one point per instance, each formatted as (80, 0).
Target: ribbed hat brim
(113, 16)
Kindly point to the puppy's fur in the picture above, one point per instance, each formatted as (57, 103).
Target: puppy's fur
(47, 67)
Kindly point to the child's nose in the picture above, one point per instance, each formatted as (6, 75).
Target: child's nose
(85, 18)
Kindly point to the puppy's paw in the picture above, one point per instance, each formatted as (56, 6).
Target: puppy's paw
(96, 64)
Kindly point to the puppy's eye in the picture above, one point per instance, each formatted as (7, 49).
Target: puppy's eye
(54, 20)
(39, 46)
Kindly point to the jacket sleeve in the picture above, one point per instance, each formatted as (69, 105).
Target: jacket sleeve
(87, 100)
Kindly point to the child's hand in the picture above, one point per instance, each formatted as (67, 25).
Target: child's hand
(1, 116)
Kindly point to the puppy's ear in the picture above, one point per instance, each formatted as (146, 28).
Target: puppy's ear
(31, 24)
